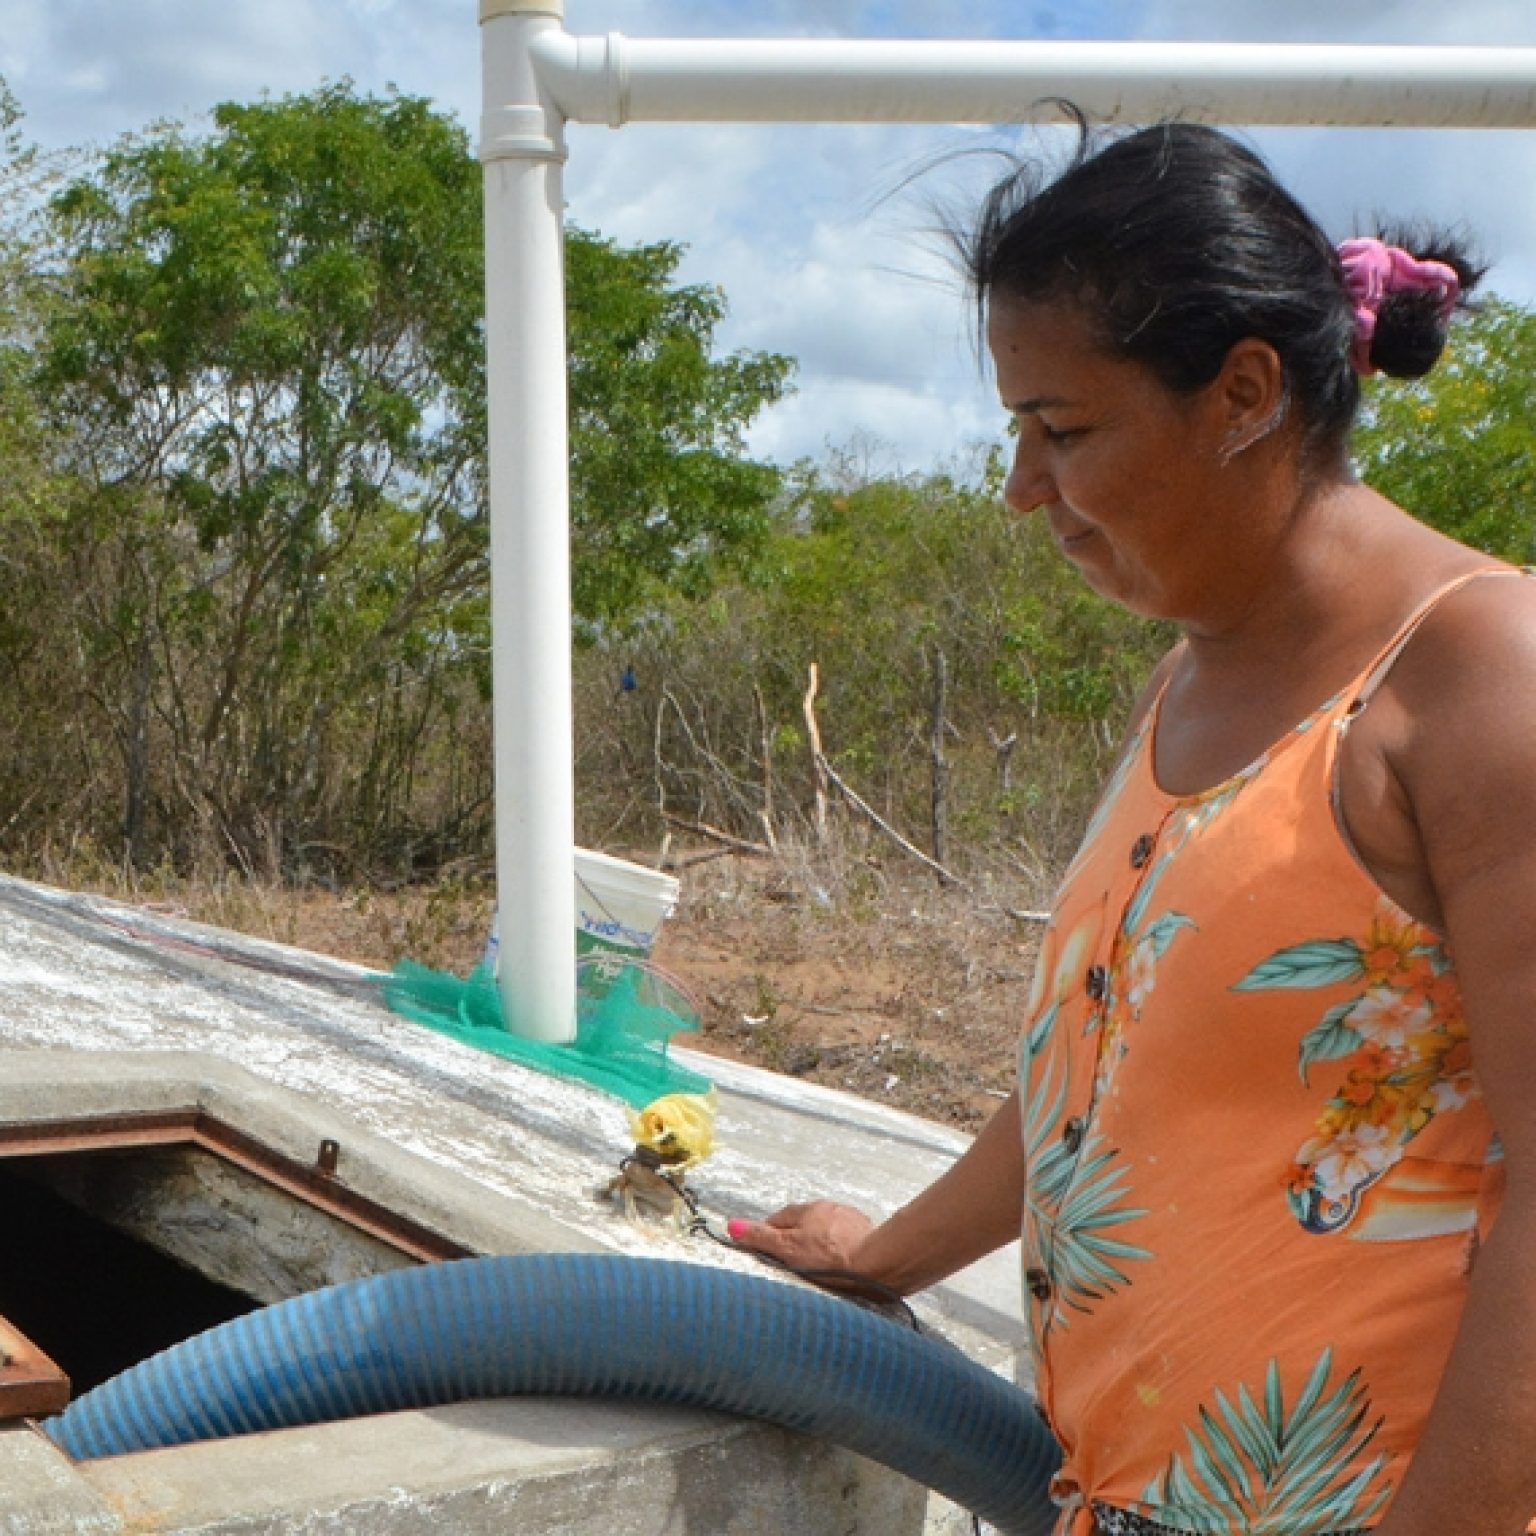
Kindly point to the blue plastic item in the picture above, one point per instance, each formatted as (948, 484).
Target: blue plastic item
(593, 1326)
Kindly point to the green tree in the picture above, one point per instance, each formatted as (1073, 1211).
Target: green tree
(662, 493)
(264, 354)
(267, 357)
(873, 581)
(39, 739)
(1458, 448)
(26, 175)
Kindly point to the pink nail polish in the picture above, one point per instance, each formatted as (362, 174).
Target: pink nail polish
(735, 1228)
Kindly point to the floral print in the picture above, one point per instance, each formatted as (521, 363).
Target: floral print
(1123, 1522)
(1401, 1041)
(1257, 1158)
(1131, 984)
(1075, 1197)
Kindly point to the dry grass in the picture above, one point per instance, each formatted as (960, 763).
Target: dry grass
(890, 987)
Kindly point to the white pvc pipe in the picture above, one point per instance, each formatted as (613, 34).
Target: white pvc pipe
(522, 150)
(537, 76)
(616, 80)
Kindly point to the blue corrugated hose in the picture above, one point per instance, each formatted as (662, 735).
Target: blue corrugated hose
(589, 1325)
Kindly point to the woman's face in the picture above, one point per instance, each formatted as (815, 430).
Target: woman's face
(1123, 468)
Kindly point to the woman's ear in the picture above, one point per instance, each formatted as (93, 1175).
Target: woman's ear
(1249, 396)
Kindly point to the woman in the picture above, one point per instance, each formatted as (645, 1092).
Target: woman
(1257, 1167)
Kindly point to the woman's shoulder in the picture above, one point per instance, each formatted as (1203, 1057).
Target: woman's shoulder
(1436, 606)
(1153, 687)
(1476, 639)
(1461, 694)
(1451, 728)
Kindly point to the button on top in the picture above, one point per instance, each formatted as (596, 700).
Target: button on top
(1097, 983)
(1072, 1133)
(1141, 850)
(1039, 1284)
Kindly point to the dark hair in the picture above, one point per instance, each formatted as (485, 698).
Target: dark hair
(1179, 242)
(1410, 330)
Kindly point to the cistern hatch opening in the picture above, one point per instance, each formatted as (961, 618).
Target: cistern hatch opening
(94, 1298)
(130, 1234)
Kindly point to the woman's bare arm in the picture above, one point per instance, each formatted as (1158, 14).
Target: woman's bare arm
(1468, 769)
(966, 1214)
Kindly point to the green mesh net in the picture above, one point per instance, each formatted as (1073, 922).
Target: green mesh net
(627, 1010)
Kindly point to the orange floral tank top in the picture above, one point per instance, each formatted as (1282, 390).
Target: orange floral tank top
(1258, 1159)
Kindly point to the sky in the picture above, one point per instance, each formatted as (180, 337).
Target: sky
(821, 236)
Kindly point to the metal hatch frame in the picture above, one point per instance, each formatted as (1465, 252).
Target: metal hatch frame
(31, 1384)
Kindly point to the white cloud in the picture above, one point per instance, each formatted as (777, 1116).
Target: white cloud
(842, 311)
(889, 428)
(1489, 23)
(825, 241)
(93, 69)
(793, 222)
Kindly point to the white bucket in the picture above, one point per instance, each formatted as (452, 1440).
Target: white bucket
(619, 907)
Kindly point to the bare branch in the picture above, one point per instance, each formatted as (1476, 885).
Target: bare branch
(714, 834)
(818, 757)
(946, 876)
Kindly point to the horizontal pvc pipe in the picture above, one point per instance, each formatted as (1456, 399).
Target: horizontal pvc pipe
(589, 1325)
(616, 80)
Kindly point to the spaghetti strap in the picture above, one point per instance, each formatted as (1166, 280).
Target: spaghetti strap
(1375, 673)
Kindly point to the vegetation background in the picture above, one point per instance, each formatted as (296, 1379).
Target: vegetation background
(244, 627)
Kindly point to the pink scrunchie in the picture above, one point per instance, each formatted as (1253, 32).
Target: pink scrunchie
(1372, 270)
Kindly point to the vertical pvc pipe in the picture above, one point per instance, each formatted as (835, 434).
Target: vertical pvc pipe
(522, 150)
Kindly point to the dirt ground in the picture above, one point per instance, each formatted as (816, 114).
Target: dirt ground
(865, 976)
(912, 996)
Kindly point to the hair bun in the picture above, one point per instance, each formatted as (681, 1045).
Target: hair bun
(1413, 323)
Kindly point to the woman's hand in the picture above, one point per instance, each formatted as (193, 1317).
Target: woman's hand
(969, 1212)
(820, 1235)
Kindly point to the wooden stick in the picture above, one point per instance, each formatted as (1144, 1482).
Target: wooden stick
(658, 766)
(947, 877)
(819, 765)
(703, 829)
(708, 856)
(1003, 746)
(1016, 914)
(938, 762)
(765, 815)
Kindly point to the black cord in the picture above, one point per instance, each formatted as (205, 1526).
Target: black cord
(870, 1293)
(847, 1284)
(850, 1284)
